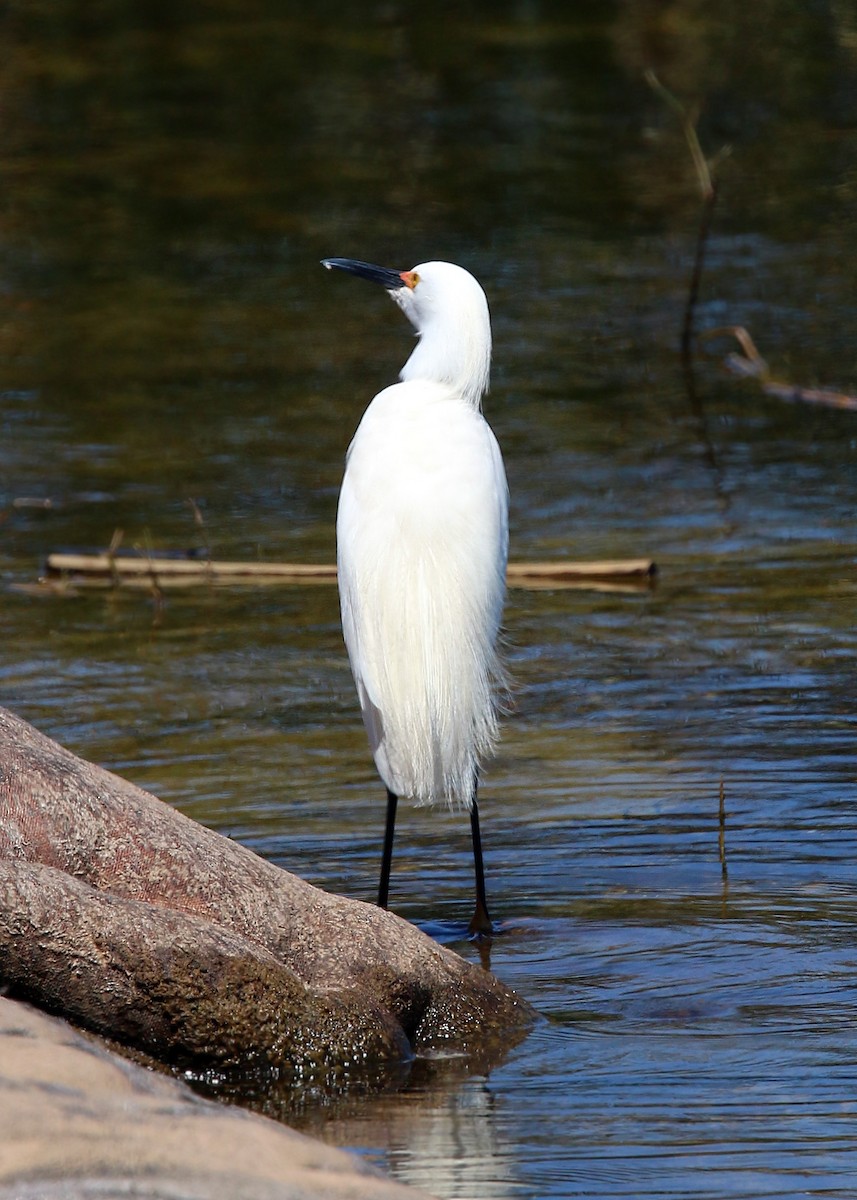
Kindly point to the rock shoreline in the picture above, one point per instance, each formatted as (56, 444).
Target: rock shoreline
(78, 1122)
(129, 919)
(183, 948)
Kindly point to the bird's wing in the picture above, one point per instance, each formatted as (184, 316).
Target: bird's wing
(349, 542)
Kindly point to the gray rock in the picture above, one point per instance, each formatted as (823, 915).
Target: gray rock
(80, 1123)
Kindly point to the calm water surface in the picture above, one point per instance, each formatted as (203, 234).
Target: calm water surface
(170, 182)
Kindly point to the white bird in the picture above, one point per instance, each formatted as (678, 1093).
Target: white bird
(422, 540)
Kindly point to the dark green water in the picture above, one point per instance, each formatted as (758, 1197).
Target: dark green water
(171, 176)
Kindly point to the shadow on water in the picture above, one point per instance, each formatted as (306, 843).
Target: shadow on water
(171, 179)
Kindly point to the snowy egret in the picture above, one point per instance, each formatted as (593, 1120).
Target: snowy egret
(422, 538)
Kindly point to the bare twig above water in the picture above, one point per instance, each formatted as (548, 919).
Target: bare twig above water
(199, 522)
(112, 550)
(149, 577)
(721, 839)
(705, 170)
(751, 365)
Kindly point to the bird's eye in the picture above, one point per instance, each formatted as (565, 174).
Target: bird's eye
(410, 279)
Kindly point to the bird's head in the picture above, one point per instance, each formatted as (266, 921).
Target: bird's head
(448, 309)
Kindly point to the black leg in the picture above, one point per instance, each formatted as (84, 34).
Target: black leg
(480, 921)
(386, 860)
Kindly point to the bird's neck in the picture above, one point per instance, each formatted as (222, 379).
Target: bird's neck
(459, 359)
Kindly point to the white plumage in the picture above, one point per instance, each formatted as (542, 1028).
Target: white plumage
(422, 537)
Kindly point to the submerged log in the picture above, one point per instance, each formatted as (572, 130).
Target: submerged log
(131, 920)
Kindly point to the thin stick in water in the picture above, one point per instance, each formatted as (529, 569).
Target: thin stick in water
(721, 838)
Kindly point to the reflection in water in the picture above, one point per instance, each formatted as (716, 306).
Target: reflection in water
(452, 1147)
(445, 1141)
(171, 180)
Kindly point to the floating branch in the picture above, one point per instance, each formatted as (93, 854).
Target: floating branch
(631, 574)
(125, 570)
(104, 570)
(751, 365)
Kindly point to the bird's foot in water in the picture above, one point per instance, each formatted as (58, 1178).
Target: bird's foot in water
(481, 926)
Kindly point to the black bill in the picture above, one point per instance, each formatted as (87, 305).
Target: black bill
(386, 276)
